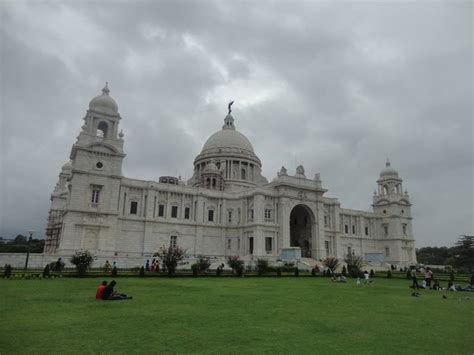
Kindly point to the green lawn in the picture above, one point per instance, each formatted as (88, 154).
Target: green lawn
(230, 315)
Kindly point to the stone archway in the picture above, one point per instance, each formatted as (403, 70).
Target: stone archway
(301, 222)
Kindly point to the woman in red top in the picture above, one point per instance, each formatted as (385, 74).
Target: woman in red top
(100, 290)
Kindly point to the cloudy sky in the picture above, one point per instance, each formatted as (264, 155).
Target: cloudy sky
(335, 86)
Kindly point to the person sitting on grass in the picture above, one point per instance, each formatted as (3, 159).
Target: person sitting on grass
(111, 295)
(100, 290)
(437, 286)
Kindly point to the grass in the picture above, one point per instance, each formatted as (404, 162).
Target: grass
(232, 315)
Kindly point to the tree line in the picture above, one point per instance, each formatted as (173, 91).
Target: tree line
(460, 256)
(20, 245)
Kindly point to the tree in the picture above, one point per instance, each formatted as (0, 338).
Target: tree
(262, 266)
(236, 264)
(354, 264)
(82, 259)
(331, 263)
(20, 239)
(203, 264)
(463, 253)
(170, 257)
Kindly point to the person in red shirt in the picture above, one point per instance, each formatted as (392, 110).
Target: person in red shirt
(100, 290)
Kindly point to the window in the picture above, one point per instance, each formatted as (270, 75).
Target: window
(161, 210)
(353, 229)
(268, 245)
(268, 214)
(404, 228)
(346, 229)
(229, 243)
(210, 215)
(99, 165)
(102, 130)
(95, 195)
(187, 212)
(327, 246)
(133, 207)
(366, 230)
(243, 174)
(229, 216)
(384, 211)
(250, 214)
(387, 251)
(250, 245)
(326, 224)
(385, 229)
(173, 241)
(174, 211)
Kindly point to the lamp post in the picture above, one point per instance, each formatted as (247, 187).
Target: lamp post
(28, 248)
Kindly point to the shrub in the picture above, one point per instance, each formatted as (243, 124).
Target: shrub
(141, 273)
(262, 266)
(46, 271)
(114, 271)
(236, 264)
(372, 273)
(170, 257)
(195, 269)
(313, 272)
(297, 272)
(203, 264)
(279, 272)
(354, 264)
(240, 270)
(57, 266)
(331, 263)
(82, 259)
(7, 272)
(389, 274)
(344, 271)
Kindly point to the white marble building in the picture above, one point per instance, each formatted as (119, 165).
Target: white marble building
(226, 208)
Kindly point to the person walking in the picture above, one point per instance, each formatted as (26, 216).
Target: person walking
(428, 277)
(413, 278)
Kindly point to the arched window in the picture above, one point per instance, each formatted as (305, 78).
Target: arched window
(102, 129)
(208, 182)
(385, 189)
(214, 182)
(243, 174)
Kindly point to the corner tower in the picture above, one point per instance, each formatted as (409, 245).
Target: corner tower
(393, 209)
(89, 213)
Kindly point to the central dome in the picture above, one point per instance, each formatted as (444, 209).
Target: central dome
(228, 138)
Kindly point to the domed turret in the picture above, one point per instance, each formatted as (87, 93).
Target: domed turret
(104, 103)
(388, 171)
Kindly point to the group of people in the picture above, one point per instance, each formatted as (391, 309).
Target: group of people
(154, 267)
(106, 292)
(428, 279)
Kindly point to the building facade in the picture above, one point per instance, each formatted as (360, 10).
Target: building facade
(226, 208)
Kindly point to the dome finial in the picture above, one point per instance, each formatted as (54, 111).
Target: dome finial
(387, 164)
(106, 90)
(229, 107)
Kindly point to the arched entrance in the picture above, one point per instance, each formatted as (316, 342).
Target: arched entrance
(301, 221)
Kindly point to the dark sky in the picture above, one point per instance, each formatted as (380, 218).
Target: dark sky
(337, 87)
